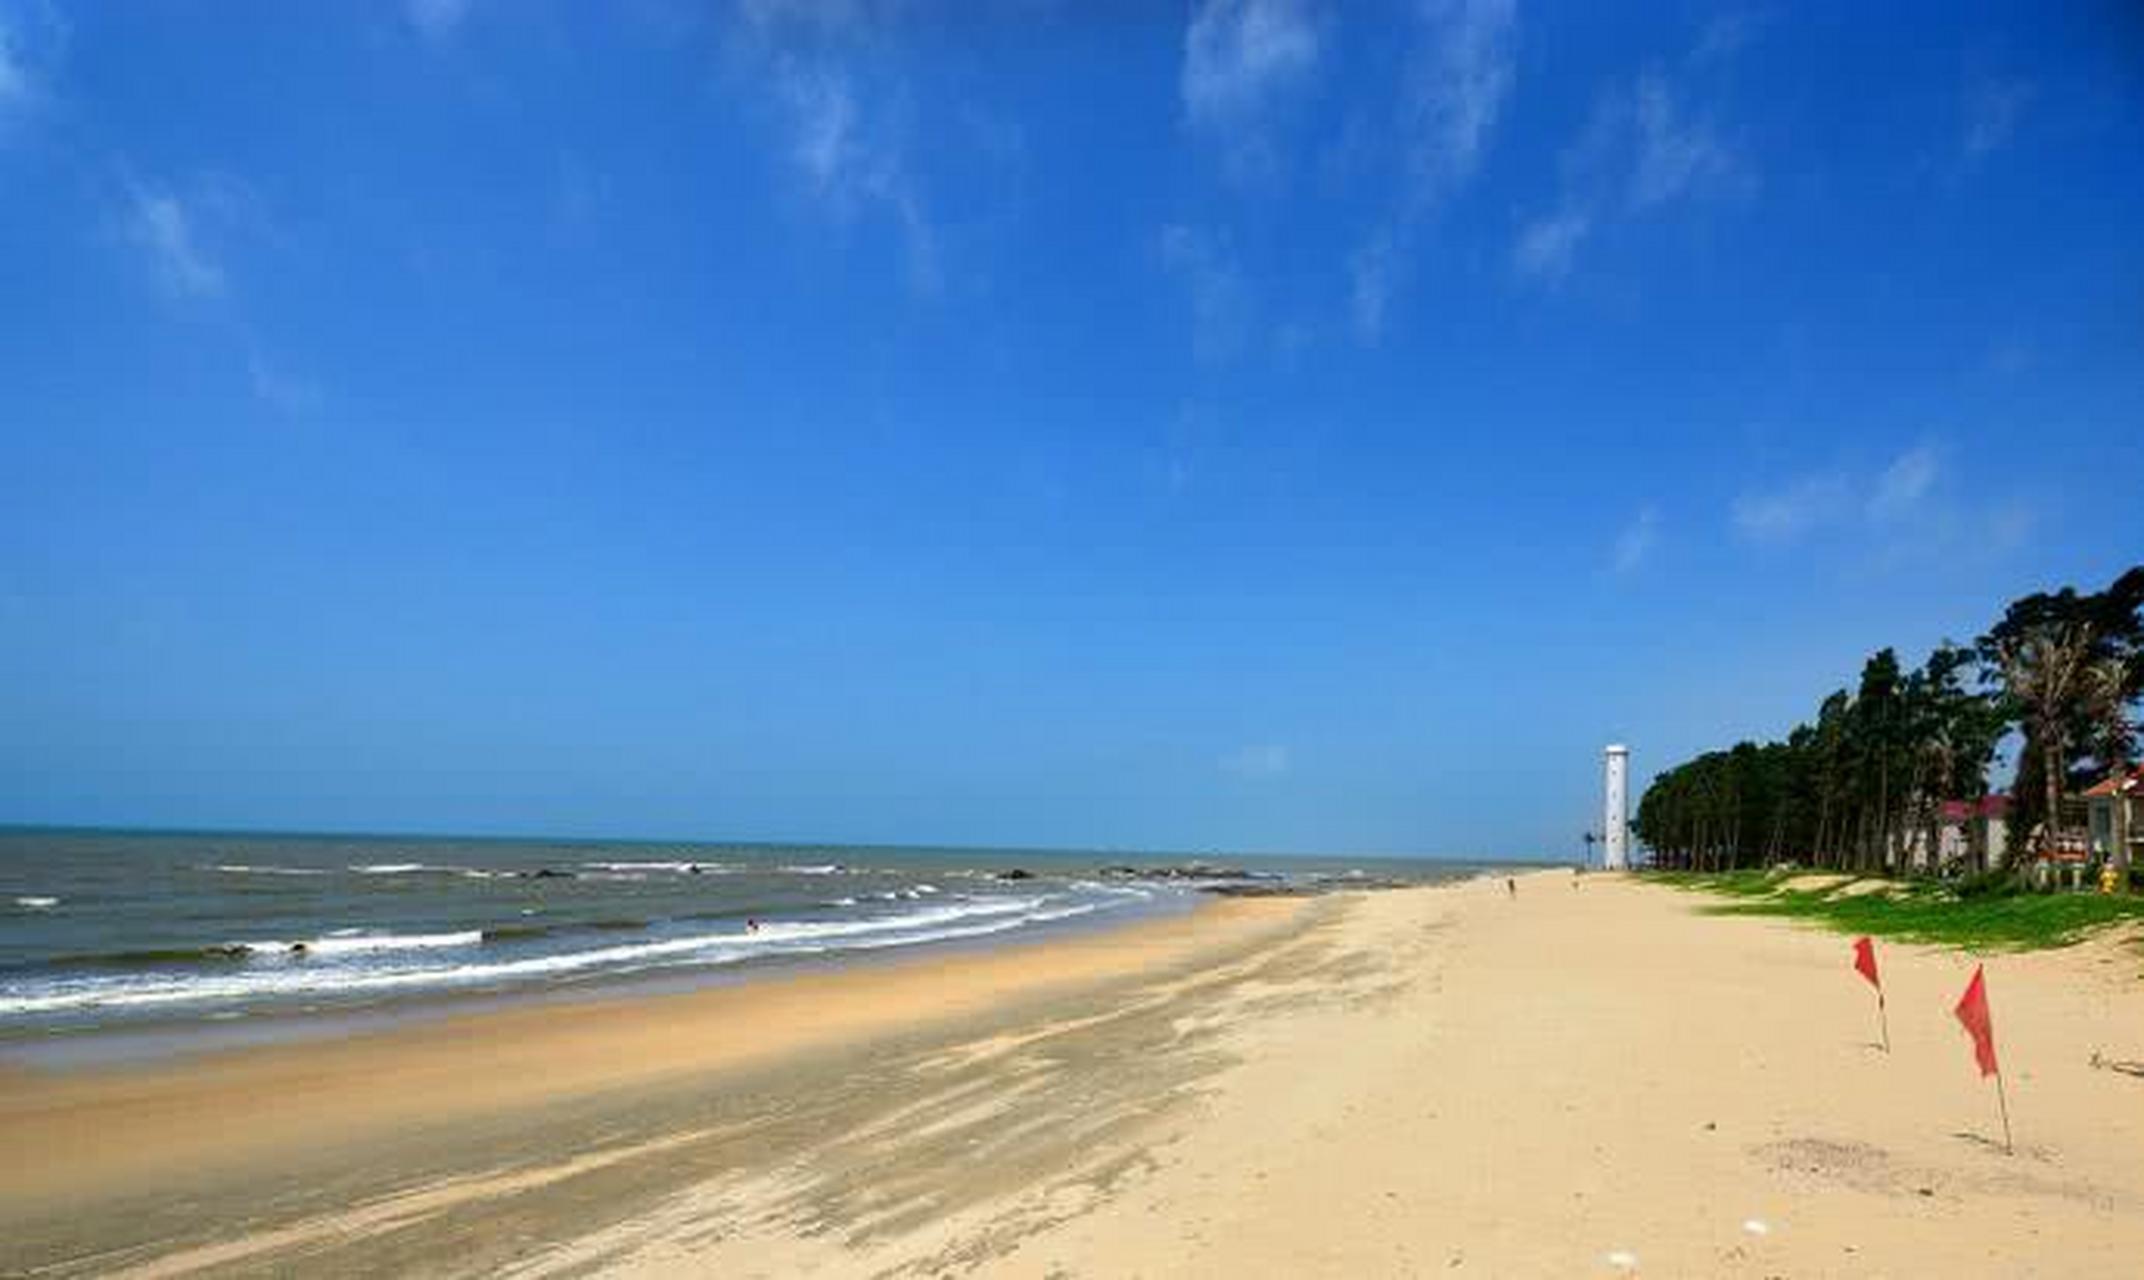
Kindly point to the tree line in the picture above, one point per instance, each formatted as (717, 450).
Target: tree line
(1853, 788)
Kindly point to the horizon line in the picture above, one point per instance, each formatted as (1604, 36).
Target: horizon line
(73, 828)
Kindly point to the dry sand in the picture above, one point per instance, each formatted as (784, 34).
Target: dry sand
(1442, 1081)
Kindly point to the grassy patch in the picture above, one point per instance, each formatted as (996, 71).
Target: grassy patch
(1914, 910)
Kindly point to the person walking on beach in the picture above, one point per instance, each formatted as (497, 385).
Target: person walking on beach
(1511, 883)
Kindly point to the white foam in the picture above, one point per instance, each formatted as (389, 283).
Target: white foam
(242, 869)
(37, 904)
(278, 973)
(340, 943)
(817, 869)
(684, 868)
(395, 868)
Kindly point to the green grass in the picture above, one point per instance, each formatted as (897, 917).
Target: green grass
(1915, 910)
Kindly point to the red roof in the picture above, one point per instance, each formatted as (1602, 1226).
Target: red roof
(2106, 786)
(1994, 806)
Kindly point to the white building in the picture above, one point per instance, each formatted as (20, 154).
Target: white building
(1615, 814)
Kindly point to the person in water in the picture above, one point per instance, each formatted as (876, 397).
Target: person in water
(751, 924)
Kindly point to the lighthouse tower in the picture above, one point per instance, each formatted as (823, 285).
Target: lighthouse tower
(1615, 814)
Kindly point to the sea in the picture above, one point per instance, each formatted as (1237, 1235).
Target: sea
(104, 931)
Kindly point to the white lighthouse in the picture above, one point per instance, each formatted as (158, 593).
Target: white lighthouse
(1615, 813)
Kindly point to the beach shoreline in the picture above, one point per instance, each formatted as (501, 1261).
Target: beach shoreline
(1579, 1078)
(131, 1130)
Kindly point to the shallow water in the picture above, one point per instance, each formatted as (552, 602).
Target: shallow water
(126, 929)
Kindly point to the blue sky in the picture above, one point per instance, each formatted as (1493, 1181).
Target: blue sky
(1263, 424)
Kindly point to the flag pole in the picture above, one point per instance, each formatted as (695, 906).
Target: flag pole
(1883, 1020)
(2002, 1100)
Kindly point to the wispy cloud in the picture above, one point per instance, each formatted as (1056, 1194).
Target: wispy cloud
(176, 232)
(1221, 308)
(1992, 111)
(1374, 274)
(1458, 76)
(1258, 760)
(1725, 35)
(1642, 149)
(1904, 484)
(279, 390)
(436, 19)
(1675, 153)
(1784, 514)
(14, 76)
(162, 227)
(845, 139)
(32, 38)
(1547, 245)
(1238, 54)
(1894, 498)
(1636, 540)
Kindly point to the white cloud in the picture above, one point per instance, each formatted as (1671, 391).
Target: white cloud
(1636, 541)
(1239, 53)
(1992, 112)
(1641, 150)
(844, 139)
(160, 224)
(1259, 760)
(1221, 307)
(33, 37)
(1785, 514)
(172, 233)
(1458, 78)
(1375, 271)
(841, 17)
(14, 76)
(822, 110)
(1675, 154)
(279, 390)
(436, 19)
(1903, 484)
(1894, 500)
(1547, 245)
(1724, 36)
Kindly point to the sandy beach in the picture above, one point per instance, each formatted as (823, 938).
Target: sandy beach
(1447, 1080)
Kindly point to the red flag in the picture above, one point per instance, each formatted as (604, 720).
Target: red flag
(1865, 961)
(1972, 1011)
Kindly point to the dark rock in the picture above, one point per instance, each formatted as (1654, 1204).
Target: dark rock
(1261, 889)
(1016, 873)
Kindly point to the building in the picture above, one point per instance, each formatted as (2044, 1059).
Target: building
(1615, 810)
(1969, 835)
(1975, 832)
(2114, 809)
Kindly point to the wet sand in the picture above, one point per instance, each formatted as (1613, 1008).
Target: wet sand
(1443, 1080)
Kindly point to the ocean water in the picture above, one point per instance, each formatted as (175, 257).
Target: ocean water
(124, 929)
